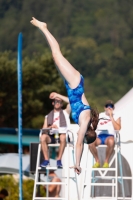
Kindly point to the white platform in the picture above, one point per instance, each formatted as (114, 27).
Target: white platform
(126, 151)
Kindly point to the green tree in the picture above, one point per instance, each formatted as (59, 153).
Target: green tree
(39, 79)
(12, 185)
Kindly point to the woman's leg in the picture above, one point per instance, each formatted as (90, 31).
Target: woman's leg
(45, 140)
(93, 149)
(110, 142)
(71, 75)
(62, 146)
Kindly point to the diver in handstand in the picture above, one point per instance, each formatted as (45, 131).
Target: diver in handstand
(82, 114)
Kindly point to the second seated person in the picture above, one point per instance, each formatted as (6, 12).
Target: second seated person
(109, 123)
(58, 120)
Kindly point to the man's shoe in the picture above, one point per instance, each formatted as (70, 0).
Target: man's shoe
(96, 165)
(59, 164)
(105, 165)
(45, 163)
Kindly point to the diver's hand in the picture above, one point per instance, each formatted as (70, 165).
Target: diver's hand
(77, 169)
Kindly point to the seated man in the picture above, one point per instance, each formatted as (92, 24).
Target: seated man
(53, 190)
(108, 123)
(57, 120)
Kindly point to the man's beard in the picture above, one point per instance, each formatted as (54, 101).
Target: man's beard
(57, 109)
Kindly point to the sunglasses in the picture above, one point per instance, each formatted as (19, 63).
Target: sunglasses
(109, 105)
(57, 101)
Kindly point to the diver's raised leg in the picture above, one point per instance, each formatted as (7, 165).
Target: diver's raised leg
(70, 74)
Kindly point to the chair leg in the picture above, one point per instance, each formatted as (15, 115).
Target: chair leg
(121, 174)
(93, 181)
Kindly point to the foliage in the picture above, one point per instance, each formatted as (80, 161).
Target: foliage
(37, 84)
(12, 185)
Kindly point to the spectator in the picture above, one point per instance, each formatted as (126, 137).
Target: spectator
(58, 120)
(108, 123)
(26, 150)
(3, 194)
(53, 190)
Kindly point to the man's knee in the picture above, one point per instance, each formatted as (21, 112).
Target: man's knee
(44, 138)
(94, 144)
(110, 142)
(62, 138)
(91, 145)
(56, 179)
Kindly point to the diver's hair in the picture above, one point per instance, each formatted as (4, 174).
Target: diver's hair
(90, 136)
(94, 118)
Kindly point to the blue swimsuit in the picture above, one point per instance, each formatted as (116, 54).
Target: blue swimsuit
(75, 98)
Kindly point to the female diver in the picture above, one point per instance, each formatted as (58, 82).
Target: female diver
(82, 114)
